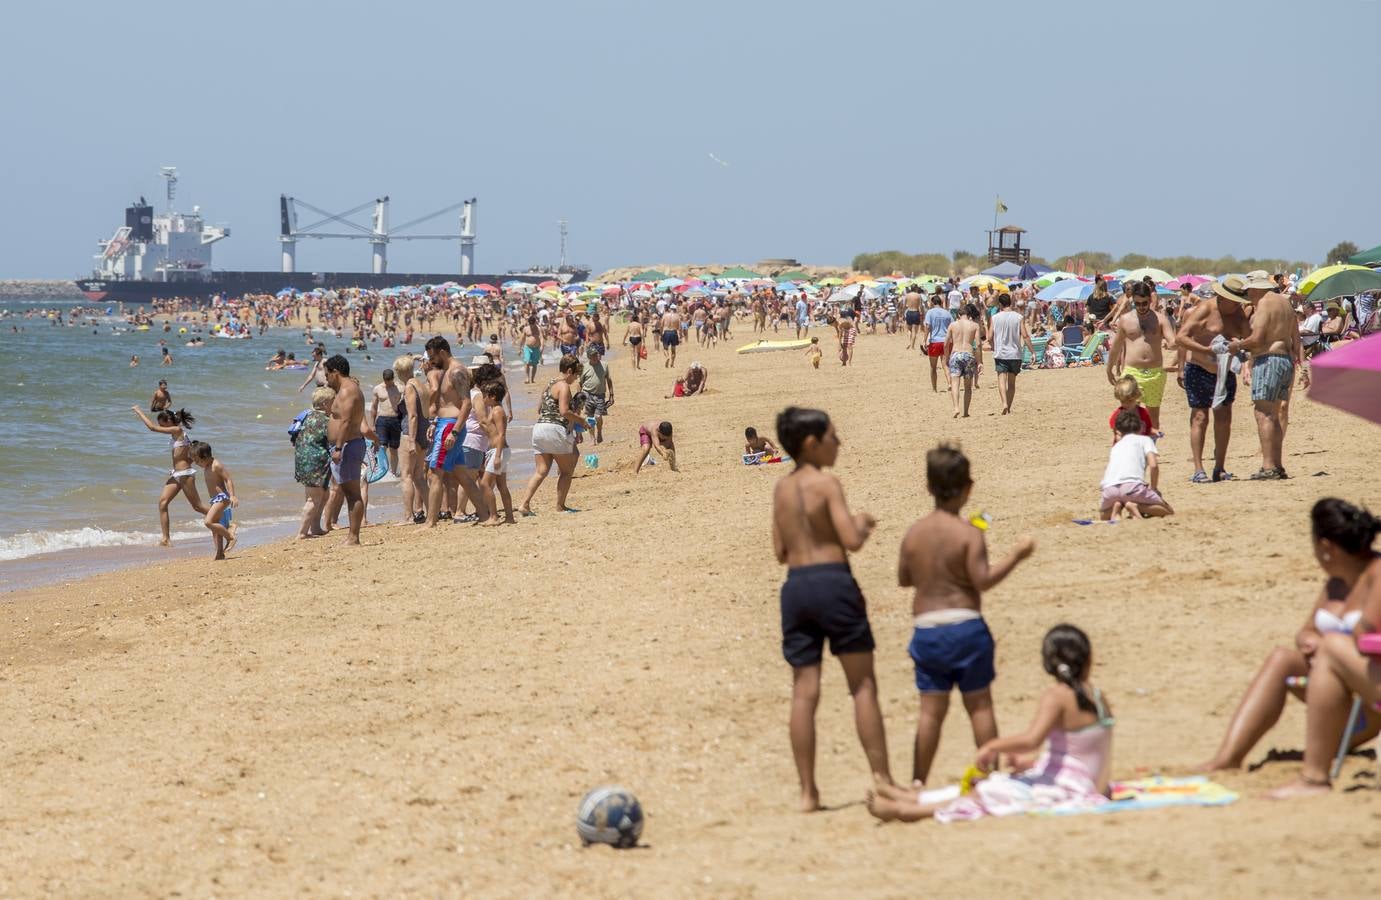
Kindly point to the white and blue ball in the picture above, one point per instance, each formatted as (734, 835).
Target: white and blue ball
(610, 815)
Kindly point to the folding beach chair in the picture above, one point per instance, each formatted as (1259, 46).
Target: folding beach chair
(1091, 355)
(1369, 645)
(1036, 360)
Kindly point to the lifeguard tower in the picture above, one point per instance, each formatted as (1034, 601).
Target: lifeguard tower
(1004, 245)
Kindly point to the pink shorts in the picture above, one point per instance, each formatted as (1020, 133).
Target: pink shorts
(644, 438)
(1138, 492)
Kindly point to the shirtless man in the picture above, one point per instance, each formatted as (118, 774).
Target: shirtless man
(448, 383)
(633, 337)
(532, 349)
(759, 314)
(671, 335)
(1138, 343)
(568, 336)
(913, 321)
(1225, 315)
(345, 438)
(1276, 350)
(813, 533)
(945, 559)
(964, 350)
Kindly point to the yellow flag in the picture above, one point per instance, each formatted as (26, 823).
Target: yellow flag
(1001, 207)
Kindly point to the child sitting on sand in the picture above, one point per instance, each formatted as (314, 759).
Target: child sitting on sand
(755, 444)
(656, 436)
(222, 490)
(1129, 481)
(1071, 774)
(945, 559)
(814, 353)
(1128, 394)
(813, 533)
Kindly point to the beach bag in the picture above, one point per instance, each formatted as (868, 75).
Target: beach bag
(296, 426)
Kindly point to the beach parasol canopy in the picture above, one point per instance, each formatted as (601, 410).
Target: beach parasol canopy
(737, 272)
(1066, 291)
(830, 282)
(667, 284)
(1370, 257)
(794, 276)
(1157, 275)
(1332, 277)
(981, 280)
(1345, 284)
(1004, 270)
(1349, 378)
(653, 275)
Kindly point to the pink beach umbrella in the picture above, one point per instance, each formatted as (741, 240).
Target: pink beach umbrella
(1191, 280)
(1350, 378)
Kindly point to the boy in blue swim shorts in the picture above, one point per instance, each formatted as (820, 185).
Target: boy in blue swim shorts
(945, 559)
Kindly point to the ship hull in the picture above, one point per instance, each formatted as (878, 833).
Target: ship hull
(236, 284)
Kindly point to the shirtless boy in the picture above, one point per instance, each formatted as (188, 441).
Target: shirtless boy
(813, 533)
(946, 560)
(1139, 338)
(655, 435)
(753, 443)
(496, 458)
(1223, 316)
(345, 439)
(222, 490)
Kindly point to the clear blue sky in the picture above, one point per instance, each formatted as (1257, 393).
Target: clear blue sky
(1164, 128)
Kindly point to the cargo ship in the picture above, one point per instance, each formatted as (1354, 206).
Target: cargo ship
(158, 256)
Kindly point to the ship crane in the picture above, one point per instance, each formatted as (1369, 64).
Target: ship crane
(377, 233)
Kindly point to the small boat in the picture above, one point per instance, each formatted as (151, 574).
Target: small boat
(767, 346)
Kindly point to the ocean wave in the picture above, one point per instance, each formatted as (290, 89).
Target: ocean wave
(33, 543)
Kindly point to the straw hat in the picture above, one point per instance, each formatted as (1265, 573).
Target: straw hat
(1232, 288)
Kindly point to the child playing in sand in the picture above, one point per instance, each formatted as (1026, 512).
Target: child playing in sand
(813, 533)
(754, 444)
(495, 425)
(945, 559)
(222, 490)
(1128, 394)
(1129, 481)
(1071, 774)
(656, 436)
(813, 353)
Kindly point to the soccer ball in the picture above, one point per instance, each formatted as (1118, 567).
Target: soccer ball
(609, 815)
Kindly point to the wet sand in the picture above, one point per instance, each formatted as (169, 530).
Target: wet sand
(420, 716)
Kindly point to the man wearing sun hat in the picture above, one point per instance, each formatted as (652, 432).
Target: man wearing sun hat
(1205, 384)
(1274, 344)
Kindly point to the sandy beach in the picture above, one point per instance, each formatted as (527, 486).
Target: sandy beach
(420, 716)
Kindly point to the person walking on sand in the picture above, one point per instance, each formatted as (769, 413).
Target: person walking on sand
(598, 386)
(964, 351)
(1138, 349)
(1274, 344)
(1219, 320)
(813, 533)
(182, 478)
(1009, 335)
(633, 337)
(913, 318)
(552, 440)
(671, 336)
(346, 439)
(532, 349)
(937, 323)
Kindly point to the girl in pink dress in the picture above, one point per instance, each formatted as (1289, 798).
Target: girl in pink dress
(1072, 720)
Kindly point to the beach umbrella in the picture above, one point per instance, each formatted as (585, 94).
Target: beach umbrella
(485, 287)
(1192, 280)
(830, 282)
(1311, 282)
(1067, 291)
(1347, 283)
(667, 284)
(1157, 275)
(547, 284)
(1370, 257)
(611, 291)
(981, 280)
(1349, 378)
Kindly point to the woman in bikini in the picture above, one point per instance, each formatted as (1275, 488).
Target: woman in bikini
(1342, 548)
(182, 478)
(552, 438)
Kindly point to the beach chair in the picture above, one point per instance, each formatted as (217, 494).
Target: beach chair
(1091, 355)
(1369, 645)
(1036, 360)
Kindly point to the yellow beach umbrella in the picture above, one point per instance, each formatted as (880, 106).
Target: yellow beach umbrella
(1312, 280)
(830, 282)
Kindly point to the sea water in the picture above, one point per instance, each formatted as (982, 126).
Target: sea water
(80, 473)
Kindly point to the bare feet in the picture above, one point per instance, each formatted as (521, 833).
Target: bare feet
(881, 807)
(229, 544)
(810, 801)
(1215, 765)
(165, 543)
(1301, 787)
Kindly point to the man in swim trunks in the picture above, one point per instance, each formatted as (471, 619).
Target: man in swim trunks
(345, 438)
(1007, 336)
(532, 349)
(1275, 346)
(802, 316)
(1223, 316)
(671, 335)
(913, 321)
(1138, 342)
(937, 322)
(568, 335)
(633, 337)
(964, 351)
(449, 383)
(161, 398)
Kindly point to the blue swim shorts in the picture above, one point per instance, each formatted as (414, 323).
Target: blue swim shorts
(440, 457)
(950, 656)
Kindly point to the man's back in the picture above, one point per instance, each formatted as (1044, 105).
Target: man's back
(1007, 335)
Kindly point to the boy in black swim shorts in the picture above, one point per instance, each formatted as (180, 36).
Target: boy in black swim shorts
(813, 532)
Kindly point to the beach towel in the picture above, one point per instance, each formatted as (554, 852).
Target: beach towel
(1226, 362)
(1157, 792)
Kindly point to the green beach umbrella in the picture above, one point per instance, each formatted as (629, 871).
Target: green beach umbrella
(1345, 283)
(651, 275)
(738, 272)
(792, 276)
(1370, 257)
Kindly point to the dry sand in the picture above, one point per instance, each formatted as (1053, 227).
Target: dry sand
(420, 716)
